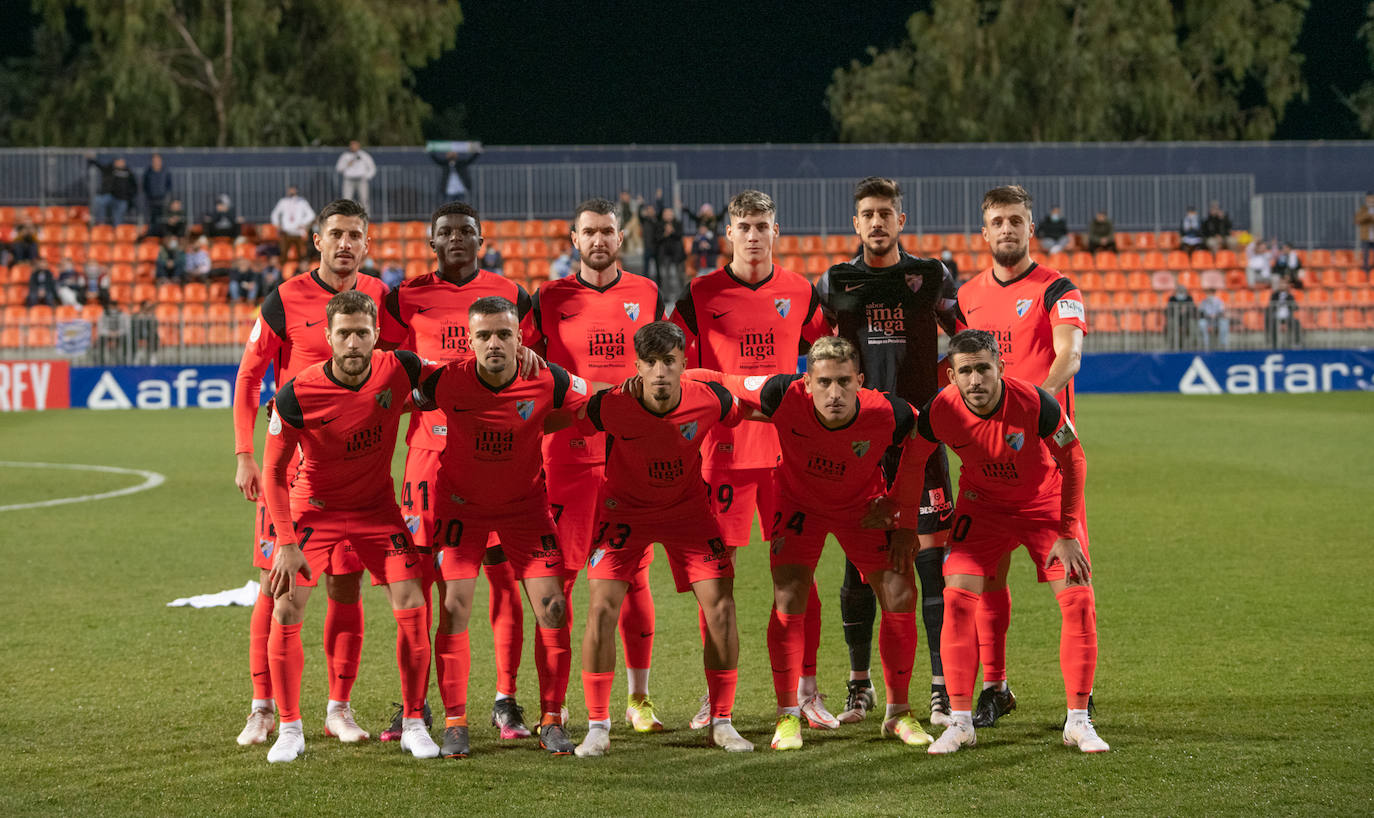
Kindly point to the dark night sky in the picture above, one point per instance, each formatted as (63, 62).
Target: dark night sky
(632, 72)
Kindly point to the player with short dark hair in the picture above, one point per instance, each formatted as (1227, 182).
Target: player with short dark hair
(653, 493)
(1038, 319)
(891, 305)
(1021, 482)
(429, 315)
(289, 336)
(585, 323)
(342, 415)
(752, 317)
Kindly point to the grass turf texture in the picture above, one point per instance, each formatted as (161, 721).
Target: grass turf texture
(1230, 538)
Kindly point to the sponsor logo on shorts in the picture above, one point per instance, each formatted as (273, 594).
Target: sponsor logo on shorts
(725, 447)
(316, 503)
(718, 550)
(413, 523)
(777, 544)
(459, 500)
(596, 557)
(266, 547)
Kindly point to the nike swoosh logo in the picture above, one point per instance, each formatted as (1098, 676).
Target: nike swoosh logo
(313, 323)
(645, 634)
(341, 676)
(331, 420)
(260, 673)
(423, 309)
(798, 434)
(972, 310)
(849, 288)
(566, 315)
(456, 409)
(552, 563)
(719, 314)
(965, 446)
(408, 565)
(630, 438)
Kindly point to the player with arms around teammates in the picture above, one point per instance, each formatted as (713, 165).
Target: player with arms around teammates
(1037, 317)
(586, 323)
(289, 335)
(891, 306)
(338, 419)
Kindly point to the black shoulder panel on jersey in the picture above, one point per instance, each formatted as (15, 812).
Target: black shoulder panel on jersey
(561, 380)
(727, 400)
(288, 408)
(393, 306)
(594, 413)
(959, 312)
(904, 418)
(658, 304)
(687, 310)
(1056, 291)
(534, 308)
(770, 397)
(1049, 413)
(430, 386)
(522, 302)
(411, 362)
(274, 314)
(923, 427)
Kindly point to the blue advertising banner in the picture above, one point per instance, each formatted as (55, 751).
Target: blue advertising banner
(156, 387)
(1225, 373)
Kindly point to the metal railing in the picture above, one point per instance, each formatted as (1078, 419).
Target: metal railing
(1309, 220)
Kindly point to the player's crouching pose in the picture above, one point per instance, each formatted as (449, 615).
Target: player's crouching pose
(1021, 481)
(834, 435)
(343, 413)
(491, 479)
(653, 492)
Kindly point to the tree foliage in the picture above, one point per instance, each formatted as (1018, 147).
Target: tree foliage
(1362, 101)
(1076, 70)
(230, 72)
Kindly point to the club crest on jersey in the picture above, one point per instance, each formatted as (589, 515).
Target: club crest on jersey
(860, 447)
(689, 430)
(1023, 304)
(384, 398)
(632, 310)
(1015, 440)
(524, 408)
(783, 306)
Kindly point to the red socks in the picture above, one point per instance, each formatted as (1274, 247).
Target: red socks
(596, 690)
(412, 658)
(786, 638)
(454, 652)
(259, 630)
(507, 624)
(553, 662)
(897, 650)
(343, 646)
(994, 617)
(813, 633)
(286, 658)
(1078, 643)
(720, 689)
(959, 646)
(637, 616)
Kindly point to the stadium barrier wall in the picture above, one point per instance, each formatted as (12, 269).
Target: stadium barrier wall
(36, 385)
(157, 387)
(1229, 373)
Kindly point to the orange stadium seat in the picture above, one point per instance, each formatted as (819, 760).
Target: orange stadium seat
(165, 312)
(147, 250)
(121, 293)
(507, 229)
(1144, 240)
(1316, 258)
(966, 262)
(538, 269)
(122, 273)
(982, 260)
(1168, 240)
(219, 290)
(1190, 279)
(389, 231)
(1061, 261)
(1329, 277)
(1138, 281)
(418, 250)
(955, 242)
(126, 253)
(558, 228)
(415, 269)
(7, 215)
(1113, 281)
(1212, 280)
(386, 250)
(1107, 261)
(1081, 260)
(415, 230)
(195, 292)
(126, 232)
(1345, 258)
(812, 245)
(40, 336)
(537, 248)
(1162, 281)
(1356, 277)
(66, 312)
(29, 214)
(1202, 260)
(839, 244)
(10, 338)
(817, 265)
(169, 293)
(100, 253)
(1129, 260)
(102, 233)
(92, 312)
(533, 228)
(512, 248)
(788, 245)
(1087, 282)
(144, 292)
(1318, 296)
(514, 269)
(1226, 259)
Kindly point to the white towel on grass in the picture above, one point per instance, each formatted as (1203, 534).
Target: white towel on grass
(244, 596)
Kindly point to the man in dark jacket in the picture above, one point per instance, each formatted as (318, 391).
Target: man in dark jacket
(157, 188)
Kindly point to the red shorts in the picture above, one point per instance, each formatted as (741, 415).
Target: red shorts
(573, 490)
(265, 536)
(376, 539)
(692, 541)
(980, 537)
(526, 535)
(735, 495)
(798, 537)
(418, 498)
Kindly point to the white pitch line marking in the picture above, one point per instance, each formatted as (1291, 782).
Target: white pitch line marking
(151, 479)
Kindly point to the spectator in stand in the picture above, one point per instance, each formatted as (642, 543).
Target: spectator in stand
(1288, 265)
(356, 169)
(1190, 231)
(703, 249)
(223, 222)
(650, 230)
(1259, 263)
(1180, 312)
(112, 335)
(198, 261)
(157, 188)
(562, 266)
(672, 256)
(293, 217)
(97, 283)
(1216, 229)
(24, 246)
(1281, 318)
(1053, 233)
(1364, 224)
(492, 260)
(455, 182)
(42, 287)
(626, 208)
(71, 284)
(632, 249)
(244, 281)
(268, 273)
(171, 222)
(705, 216)
(117, 190)
(1212, 319)
(393, 274)
(171, 261)
(143, 334)
(1101, 235)
(947, 259)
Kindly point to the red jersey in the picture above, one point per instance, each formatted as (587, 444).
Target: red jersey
(1022, 314)
(590, 331)
(347, 435)
(493, 457)
(836, 471)
(653, 462)
(289, 335)
(1024, 458)
(749, 329)
(429, 316)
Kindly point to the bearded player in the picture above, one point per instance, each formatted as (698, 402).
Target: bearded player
(289, 336)
(585, 323)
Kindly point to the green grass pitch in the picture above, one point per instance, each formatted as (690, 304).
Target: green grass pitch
(1232, 547)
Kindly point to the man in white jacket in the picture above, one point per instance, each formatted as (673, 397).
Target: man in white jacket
(292, 217)
(356, 167)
